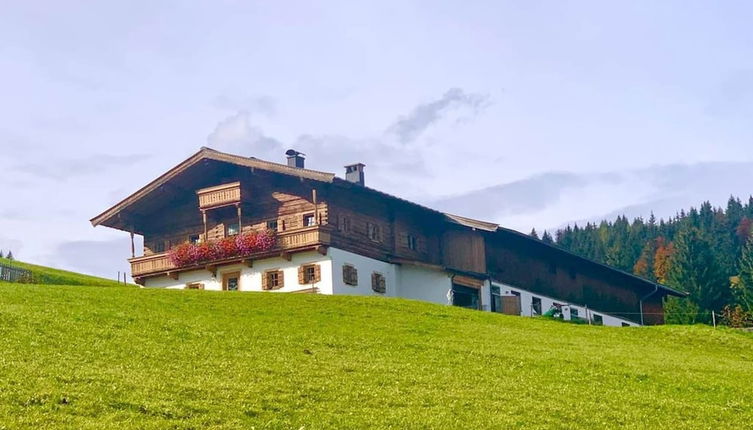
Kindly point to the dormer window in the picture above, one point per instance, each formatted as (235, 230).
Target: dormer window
(374, 232)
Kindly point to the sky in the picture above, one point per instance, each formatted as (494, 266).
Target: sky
(529, 114)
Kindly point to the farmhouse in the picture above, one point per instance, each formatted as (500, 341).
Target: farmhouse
(219, 221)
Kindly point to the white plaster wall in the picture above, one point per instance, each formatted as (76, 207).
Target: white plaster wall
(366, 266)
(526, 299)
(251, 276)
(424, 284)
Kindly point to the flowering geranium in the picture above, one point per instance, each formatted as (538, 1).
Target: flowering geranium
(226, 248)
(246, 243)
(182, 255)
(265, 240)
(242, 245)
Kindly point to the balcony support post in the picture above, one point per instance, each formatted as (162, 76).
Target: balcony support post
(204, 218)
(133, 247)
(240, 225)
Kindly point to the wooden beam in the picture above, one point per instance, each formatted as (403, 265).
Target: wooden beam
(286, 255)
(248, 262)
(322, 249)
(204, 218)
(212, 269)
(173, 275)
(133, 247)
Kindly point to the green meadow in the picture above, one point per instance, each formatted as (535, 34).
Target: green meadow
(124, 357)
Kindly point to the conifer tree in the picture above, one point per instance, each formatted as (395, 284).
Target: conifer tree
(547, 238)
(9, 256)
(742, 290)
(533, 233)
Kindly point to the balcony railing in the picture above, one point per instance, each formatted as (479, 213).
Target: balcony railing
(289, 241)
(220, 195)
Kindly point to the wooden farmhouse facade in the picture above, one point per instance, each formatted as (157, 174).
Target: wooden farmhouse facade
(219, 221)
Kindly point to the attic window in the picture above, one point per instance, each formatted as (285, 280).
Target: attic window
(344, 224)
(412, 242)
(374, 232)
(232, 229)
(309, 220)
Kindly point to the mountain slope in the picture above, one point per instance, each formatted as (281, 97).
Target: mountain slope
(85, 357)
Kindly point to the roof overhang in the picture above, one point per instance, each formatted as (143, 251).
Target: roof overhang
(109, 216)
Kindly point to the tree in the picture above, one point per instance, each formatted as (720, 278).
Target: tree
(662, 259)
(742, 286)
(695, 268)
(9, 256)
(547, 238)
(533, 234)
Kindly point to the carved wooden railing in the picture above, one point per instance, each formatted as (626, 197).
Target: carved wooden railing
(220, 195)
(285, 241)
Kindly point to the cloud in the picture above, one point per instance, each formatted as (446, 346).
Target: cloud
(100, 258)
(12, 214)
(236, 135)
(555, 199)
(62, 169)
(258, 104)
(407, 128)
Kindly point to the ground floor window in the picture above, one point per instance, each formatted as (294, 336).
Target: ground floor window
(378, 283)
(309, 274)
(597, 319)
(496, 299)
(272, 280)
(465, 297)
(231, 281)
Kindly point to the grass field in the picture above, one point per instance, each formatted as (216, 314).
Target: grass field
(49, 276)
(90, 357)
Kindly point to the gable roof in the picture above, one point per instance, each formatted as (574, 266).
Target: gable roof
(206, 153)
(210, 154)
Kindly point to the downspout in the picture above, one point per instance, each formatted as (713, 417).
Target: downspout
(640, 302)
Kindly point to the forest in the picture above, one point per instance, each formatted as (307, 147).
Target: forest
(706, 251)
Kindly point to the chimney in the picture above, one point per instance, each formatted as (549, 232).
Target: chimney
(295, 158)
(354, 173)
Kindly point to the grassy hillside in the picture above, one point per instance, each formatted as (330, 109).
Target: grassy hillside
(86, 357)
(47, 275)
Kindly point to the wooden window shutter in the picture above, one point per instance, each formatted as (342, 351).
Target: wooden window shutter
(265, 281)
(301, 275)
(317, 273)
(280, 279)
(378, 283)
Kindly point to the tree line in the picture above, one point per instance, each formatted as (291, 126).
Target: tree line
(706, 251)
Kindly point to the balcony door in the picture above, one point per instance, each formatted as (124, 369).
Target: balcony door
(231, 281)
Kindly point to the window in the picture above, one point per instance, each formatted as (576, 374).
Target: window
(232, 229)
(159, 246)
(309, 274)
(374, 232)
(194, 239)
(195, 286)
(272, 225)
(597, 319)
(536, 306)
(378, 283)
(465, 297)
(309, 220)
(350, 275)
(273, 280)
(625, 324)
(344, 224)
(496, 299)
(231, 281)
(412, 242)
(573, 313)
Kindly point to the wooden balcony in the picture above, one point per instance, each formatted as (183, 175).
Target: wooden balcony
(220, 195)
(288, 242)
